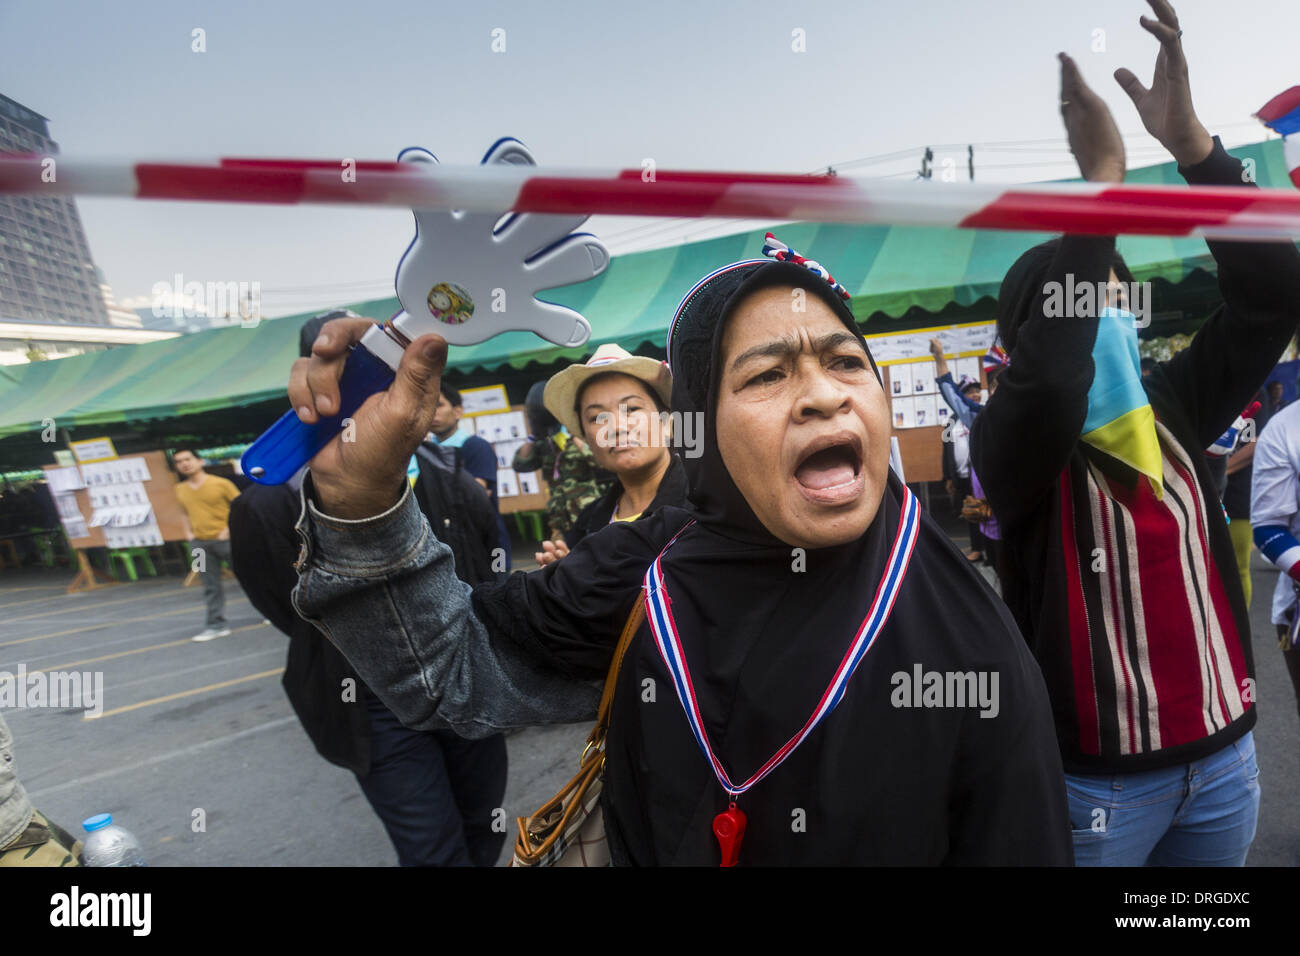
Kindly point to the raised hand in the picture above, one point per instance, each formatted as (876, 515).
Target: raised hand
(1094, 138)
(362, 471)
(470, 276)
(1166, 108)
(940, 363)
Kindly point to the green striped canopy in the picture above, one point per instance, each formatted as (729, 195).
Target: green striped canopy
(888, 270)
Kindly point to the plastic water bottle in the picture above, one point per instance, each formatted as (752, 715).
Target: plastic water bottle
(109, 844)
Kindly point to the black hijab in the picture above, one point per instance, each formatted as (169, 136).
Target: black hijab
(764, 627)
(782, 619)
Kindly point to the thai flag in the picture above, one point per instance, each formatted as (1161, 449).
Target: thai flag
(1282, 115)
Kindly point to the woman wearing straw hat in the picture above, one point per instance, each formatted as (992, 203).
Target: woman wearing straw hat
(619, 403)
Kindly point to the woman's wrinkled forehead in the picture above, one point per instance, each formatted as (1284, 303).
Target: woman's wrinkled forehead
(779, 322)
(695, 337)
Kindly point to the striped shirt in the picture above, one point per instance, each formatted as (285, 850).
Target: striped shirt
(1156, 657)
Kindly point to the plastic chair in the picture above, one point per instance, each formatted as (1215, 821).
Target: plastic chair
(529, 520)
(127, 558)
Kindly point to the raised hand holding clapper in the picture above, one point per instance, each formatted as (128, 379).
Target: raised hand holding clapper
(466, 277)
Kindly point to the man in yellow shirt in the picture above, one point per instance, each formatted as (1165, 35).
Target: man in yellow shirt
(206, 499)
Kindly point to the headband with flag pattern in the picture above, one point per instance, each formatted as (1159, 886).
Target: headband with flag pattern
(775, 249)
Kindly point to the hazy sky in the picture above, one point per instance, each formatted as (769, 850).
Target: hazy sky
(688, 84)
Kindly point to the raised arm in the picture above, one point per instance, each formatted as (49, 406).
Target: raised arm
(378, 583)
(1027, 430)
(1229, 358)
(961, 406)
(1232, 353)
(385, 592)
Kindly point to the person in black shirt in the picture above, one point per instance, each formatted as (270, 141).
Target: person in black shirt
(434, 791)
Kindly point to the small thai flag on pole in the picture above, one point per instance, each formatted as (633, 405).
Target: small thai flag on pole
(1282, 115)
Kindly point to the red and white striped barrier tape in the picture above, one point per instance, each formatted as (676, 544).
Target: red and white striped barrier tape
(1213, 212)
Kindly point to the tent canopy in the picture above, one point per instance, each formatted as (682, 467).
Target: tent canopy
(888, 270)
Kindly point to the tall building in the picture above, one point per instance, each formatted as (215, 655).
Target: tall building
(46, 273)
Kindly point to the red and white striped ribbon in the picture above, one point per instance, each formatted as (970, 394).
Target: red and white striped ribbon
(1215, 212)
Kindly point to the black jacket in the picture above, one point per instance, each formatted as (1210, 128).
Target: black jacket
(264, 547)
(460, 514)
(1036, 474)
(671, 493)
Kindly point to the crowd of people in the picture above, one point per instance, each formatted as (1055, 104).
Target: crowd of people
(808, 645)
(1122, 640)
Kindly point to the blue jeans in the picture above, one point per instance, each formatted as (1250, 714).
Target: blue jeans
(1196, 814)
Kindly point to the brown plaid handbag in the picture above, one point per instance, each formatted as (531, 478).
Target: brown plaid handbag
(569, 829)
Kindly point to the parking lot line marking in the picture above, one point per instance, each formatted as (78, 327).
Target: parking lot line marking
(225, 662)
(106, 657)
(138, 650)
(34, 587)
(38, 600)
(44, 792)
(184, 693)
(93, 607)
(21, 603)
(100, 627)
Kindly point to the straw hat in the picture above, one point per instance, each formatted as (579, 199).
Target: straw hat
(563, 388)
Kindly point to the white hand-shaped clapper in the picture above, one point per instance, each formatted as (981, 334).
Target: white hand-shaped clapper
(470, 276)
(466, 277)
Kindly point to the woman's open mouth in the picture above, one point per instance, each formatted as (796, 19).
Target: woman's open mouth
(830, 471)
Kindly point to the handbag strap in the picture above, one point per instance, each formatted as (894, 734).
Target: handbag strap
(607, 698)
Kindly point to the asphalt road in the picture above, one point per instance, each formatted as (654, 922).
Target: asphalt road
(196, 733)
(197, 750)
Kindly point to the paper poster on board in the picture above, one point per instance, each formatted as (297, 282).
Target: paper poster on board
(923, 378)
(506, 452)
(485, 400)
(969, 367)
(900, 380)
(927, 411)
(507, 484)
(905, 412)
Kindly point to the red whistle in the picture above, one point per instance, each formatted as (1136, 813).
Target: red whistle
(729, 828)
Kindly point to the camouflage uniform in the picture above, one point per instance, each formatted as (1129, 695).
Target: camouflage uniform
(572, 475)
(27, 838)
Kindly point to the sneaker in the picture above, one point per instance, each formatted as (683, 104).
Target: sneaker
(211, 633)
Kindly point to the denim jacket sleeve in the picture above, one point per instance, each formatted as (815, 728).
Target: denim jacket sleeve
(384, 591)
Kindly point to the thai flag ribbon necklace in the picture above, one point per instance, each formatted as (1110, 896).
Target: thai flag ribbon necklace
(729, 826)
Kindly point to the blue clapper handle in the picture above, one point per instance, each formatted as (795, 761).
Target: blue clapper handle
(289, 444)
